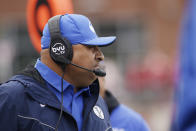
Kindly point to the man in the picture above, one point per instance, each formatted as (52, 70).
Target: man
(122, 118)
(61, 92)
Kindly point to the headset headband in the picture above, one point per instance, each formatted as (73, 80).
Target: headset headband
(54, 26)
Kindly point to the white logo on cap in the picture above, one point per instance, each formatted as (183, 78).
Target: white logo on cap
(98, 111)
(91, 27)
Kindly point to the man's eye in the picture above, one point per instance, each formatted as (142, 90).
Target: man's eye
(90, 46)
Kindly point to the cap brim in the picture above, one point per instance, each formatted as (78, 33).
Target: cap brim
(101, 41)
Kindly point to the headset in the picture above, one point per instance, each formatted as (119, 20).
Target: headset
(60, 48)
(61, 53)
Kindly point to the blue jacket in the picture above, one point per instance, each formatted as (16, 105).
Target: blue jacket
(123, 118)
(26, 104)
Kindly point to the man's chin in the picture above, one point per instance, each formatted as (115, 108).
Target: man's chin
(93, 77)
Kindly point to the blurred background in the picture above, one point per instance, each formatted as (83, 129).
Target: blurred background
(141, 65)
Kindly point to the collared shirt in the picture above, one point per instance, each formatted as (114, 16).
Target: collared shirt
(73, 102)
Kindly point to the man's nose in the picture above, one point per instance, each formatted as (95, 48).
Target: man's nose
(99, 55)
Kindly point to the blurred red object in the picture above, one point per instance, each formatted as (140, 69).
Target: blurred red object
(156, 71)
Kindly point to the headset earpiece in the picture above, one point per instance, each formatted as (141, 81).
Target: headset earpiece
(60, 48)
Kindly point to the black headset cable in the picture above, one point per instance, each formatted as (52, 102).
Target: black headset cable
(56, 128)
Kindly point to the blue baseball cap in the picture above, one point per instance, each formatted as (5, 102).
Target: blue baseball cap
(78, 30)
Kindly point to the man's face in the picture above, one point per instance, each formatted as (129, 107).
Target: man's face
(88, 57)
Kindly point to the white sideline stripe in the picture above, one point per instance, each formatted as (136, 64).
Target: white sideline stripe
(108, 128)
(36, 120)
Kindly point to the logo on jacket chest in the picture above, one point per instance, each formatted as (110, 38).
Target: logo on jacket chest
(98, 112)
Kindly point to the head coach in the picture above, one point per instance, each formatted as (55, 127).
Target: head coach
(60, 91)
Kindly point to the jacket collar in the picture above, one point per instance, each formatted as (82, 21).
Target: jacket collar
(90, 103)
(37, 89)
(111, 101)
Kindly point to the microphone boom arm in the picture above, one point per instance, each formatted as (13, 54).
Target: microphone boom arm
(97, 72)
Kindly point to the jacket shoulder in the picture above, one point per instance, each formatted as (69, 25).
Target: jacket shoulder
(11, 101)
(13, 89)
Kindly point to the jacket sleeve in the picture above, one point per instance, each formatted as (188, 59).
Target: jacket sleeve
(8, 117)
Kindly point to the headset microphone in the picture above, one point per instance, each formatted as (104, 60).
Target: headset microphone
(97, 72)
